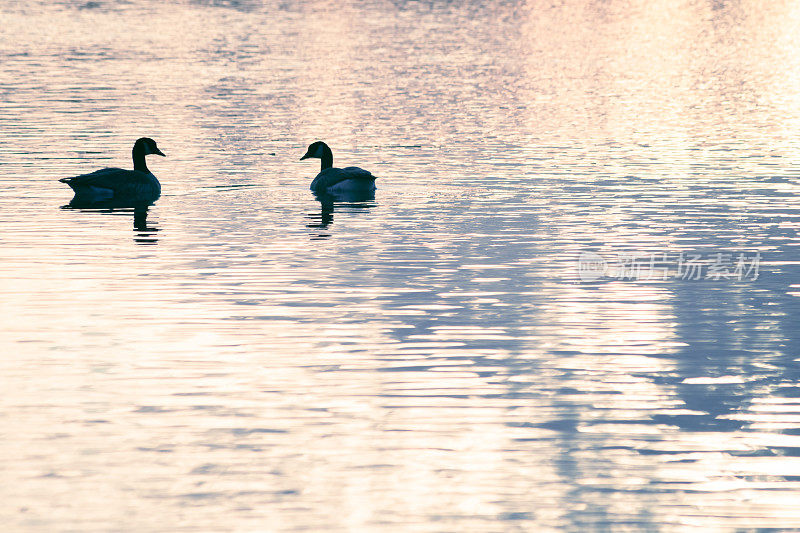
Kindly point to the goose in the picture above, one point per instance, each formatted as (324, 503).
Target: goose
(119, 187)
(337, 181)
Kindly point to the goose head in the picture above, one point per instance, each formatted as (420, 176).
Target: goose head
(147, 146)
(316, 150)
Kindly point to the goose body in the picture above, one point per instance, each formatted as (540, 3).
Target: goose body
(117, 186)
(338, 181)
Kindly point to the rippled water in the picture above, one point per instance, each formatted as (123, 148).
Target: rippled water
(248, 359)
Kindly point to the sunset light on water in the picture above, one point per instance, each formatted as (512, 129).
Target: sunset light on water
(571, 304)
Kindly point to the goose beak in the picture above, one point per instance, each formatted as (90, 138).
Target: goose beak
(159, 152)
(305, 156)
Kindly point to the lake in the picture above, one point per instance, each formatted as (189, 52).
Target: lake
(573, 304)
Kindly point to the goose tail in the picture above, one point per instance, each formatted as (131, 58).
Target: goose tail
(70, 182)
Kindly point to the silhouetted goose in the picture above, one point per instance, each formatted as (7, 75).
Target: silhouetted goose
(336, 181)
(119, 187)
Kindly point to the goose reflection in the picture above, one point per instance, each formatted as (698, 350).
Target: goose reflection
(328, 203)
(143, 233)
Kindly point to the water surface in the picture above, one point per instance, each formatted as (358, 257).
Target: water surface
(249, 359)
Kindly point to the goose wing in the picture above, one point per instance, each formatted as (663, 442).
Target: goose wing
(355, 173)
(115, 179)
(98, 178)
(333, 176)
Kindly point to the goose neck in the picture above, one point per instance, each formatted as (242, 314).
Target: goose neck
(139, 159)
(327, 158)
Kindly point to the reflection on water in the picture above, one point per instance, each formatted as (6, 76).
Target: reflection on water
(142, 232)
(327, 204)
(430, 359)
(322, 219)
